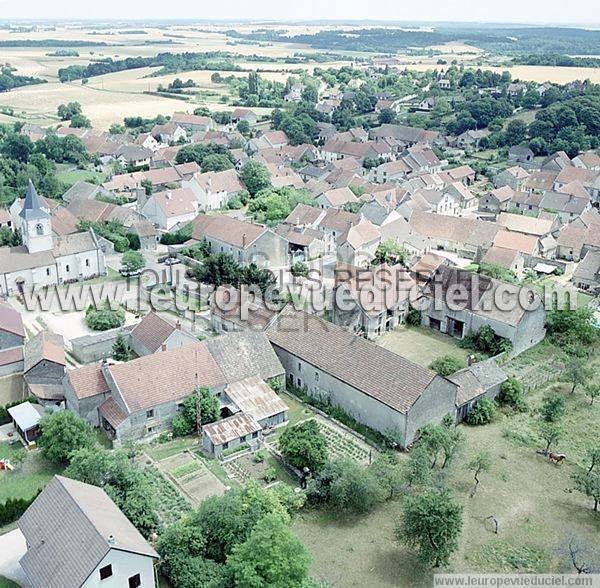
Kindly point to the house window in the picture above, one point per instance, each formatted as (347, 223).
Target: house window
(255, 435)
(106, 572)
(87, 263)
(150, 413)
(316, 376)
(39, 229)
(299, 367)
(299, 383)
(67, 269)
(135, 581)
(243, 439)
(226, 445)
(47, 271)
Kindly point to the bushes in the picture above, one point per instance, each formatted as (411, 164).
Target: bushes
(104, 319)
(63, 433)
(447, 364)
(482, 413)
(511, 394)
(486, 341)
(186, 421)
(303, 445)
(4, 416)
(13, 508)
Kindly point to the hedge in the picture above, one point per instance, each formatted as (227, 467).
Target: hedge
(13, 508)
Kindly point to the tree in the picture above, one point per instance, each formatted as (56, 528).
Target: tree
(482, 413)
(386, 116)
(79, 121)
(346, 487)
(550, 433)
(418, 467)
(68, 111)
(568, 326)
(516, 132)
(132, 261)
(120, 349)
(389, 473)
(148, 186)
(216, 162)
(103, 319)
(553, 408)
(304, 445)
(593, 391)
(243, 127)
(390, 252)
(271, 556)
(431, 522)
(511, 394)
(228, 520)
(299, 269)
(186, 422)
(255, 176)
(577, 371)
(482, 462)
(63, 433)
(129, 486)
(447, 364)
(218, 270)
(588, 483)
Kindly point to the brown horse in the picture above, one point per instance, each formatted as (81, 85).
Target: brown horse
(557, 458)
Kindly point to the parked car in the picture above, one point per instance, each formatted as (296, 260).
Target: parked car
(171, 261)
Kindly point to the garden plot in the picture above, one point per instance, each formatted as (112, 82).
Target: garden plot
(261, 467)
(340, 443)
(191, 477)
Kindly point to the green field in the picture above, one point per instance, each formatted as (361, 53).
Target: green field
(532, 499)
(69, 174)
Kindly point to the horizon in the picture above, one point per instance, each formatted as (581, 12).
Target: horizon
(534, 13)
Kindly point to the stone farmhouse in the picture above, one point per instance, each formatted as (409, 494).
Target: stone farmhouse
(373, 385)
(12, 339)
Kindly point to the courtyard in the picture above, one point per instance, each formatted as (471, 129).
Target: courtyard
(421, 345)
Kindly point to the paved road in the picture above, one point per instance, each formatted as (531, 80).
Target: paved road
(12, 548)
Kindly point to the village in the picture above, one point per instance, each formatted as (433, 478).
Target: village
(258, 306)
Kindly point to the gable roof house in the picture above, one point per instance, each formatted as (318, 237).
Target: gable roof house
(76, 536)
(193, 122)
(513, 177)
(523, 327)
(213, 190)
(246, 114)
(268, 140)
(357, 246)
(405, 135)
(336, 198)
(587, 273)
(171, 208)
(378, 388)
(168, 133)
(497, 200)
(44, 367)
(246, 242)
(157, 333)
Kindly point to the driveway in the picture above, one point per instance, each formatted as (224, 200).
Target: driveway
(12, 548)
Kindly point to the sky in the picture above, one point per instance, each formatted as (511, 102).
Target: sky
(521, 11)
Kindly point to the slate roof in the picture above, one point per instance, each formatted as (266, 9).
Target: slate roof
(13, 259)
(32, 208)
(477, 379)
(243, 354)
(377, 372)
(69, 528)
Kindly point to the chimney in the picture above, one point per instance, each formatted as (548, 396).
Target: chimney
(244, 240)
(163, 347)
(169, 195)
(111, 539)
(178, 325)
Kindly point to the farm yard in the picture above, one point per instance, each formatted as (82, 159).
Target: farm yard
(535, 519)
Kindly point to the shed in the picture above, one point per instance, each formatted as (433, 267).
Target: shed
(230, 433)
(26, 418)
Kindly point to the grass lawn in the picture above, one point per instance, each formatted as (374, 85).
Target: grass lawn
(70, 174)
(421, 345)
(531, 498)
(160, 451)
(32, 472)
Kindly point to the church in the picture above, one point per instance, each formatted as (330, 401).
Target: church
(45, 259)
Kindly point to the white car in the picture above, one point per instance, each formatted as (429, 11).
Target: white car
(171, 261)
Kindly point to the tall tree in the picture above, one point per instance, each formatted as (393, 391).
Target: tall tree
(431, 522)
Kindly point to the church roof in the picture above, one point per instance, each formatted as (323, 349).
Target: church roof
(32, 208)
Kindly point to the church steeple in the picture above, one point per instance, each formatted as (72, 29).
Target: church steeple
(32, 208)
(35, 223)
